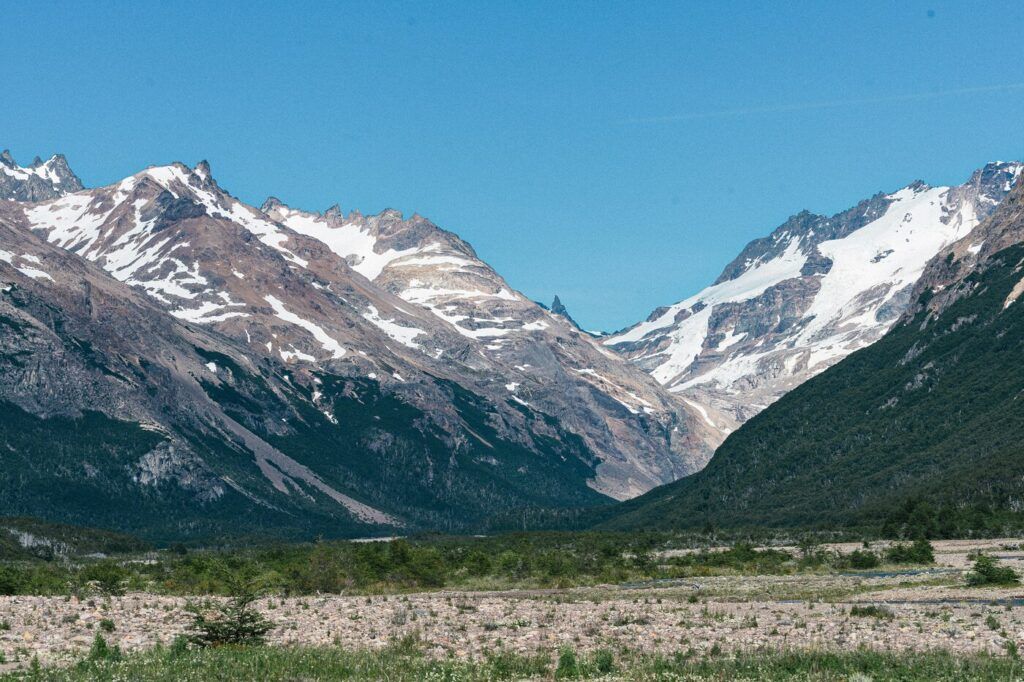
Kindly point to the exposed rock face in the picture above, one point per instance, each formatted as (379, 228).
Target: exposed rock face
(558, 308)
(796, 302)
(39, 181)
(946, 279)
(200, 436)
(539, 359)
(355, 371)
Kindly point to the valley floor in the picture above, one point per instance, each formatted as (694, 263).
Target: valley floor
(919, 610)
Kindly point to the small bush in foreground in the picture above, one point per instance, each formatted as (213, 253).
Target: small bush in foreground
(101, 651)
(567, 666)
(235, 621)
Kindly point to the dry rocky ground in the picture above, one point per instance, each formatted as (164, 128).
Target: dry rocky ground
(929, 608)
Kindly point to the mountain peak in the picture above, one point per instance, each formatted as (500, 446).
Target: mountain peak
(814, 290)
(996, 176)
(271, 204)
(558, 308)
(202, 169)
(37, 182)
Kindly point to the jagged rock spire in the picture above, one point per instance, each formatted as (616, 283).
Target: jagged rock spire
(40, 181)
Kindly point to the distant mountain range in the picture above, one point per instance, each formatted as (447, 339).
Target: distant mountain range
(176, 363)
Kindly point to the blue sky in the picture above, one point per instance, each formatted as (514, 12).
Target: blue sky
(617, 154)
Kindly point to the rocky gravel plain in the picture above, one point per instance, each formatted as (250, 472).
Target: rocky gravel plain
(920, 609)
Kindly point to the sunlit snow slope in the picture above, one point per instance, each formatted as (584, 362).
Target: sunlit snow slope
(801, 299)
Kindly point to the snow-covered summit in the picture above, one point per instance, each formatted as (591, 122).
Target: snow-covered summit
(799, 300)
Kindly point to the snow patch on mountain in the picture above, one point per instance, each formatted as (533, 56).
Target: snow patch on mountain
(27, 270)
(329, 344)
(352, 242)
(404, 335)
(759, 276)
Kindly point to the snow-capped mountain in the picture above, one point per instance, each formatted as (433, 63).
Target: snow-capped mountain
(380, 354)
(796, 302)
(37, 182)
(546, 361)
(114, 413)
(922, 429)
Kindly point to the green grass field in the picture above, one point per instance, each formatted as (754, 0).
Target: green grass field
(402, 661)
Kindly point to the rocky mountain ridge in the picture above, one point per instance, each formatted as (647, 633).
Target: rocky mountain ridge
(38, 181)
(798, 301)
(541, 354)
(484, 402)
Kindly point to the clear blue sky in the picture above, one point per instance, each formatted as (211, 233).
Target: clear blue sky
(618, 154)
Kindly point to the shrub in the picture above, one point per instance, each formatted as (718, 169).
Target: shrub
(409, 645)
(872, 611)
(567, 664)
(108, 576)
(478, 563)
(988, 572)
(101, 651)
(179, 645)
(235, 621)
(10, 581)
(863, 558)
(107, 625)
(604, 661)
(919, 552)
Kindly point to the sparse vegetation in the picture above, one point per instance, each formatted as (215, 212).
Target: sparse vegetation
(535, 559)
(872, 611)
